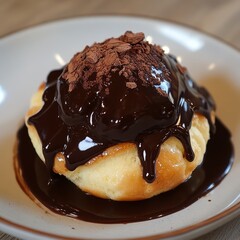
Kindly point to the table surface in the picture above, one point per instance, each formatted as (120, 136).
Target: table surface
(220, 18)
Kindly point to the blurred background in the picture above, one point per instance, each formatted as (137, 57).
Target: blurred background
(219, 18)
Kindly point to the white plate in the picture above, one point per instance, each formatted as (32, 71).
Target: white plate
(26, 59)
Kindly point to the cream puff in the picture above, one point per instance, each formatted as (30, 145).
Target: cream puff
(122, 120)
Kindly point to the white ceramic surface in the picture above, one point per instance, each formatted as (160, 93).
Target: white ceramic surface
(28, 56)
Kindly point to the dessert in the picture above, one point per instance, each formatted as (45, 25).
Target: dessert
(122, 120)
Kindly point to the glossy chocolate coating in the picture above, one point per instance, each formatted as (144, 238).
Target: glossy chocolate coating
(63, 197)
(82, 123)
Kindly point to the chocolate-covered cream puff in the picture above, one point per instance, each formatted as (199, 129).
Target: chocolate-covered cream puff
(122, 120)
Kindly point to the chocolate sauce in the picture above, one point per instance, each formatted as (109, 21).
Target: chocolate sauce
(84, 122)
(63, 197)
(121, 90)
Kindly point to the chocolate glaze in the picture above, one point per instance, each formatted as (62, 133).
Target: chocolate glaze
(63, 197)
(84, 122)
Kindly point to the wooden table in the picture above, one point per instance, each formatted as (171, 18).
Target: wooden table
(220, 18)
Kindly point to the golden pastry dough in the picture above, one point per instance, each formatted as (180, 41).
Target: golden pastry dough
(117, 173)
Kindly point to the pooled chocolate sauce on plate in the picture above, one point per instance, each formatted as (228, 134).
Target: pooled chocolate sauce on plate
(63, 197)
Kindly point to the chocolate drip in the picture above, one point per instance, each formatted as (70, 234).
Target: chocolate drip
(144, 108)
(63, 197)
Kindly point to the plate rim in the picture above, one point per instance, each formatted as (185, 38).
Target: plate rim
(120, 15)
(226, 215)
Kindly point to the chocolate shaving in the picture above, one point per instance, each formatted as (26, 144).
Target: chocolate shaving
(132, 38)
(181, 69)
(131, 85)
(129, 55)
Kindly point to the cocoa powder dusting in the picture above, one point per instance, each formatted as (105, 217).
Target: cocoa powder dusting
(129, 55)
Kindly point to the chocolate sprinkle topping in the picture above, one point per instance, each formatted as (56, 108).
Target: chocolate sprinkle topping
(126, 55)
(121, 90)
